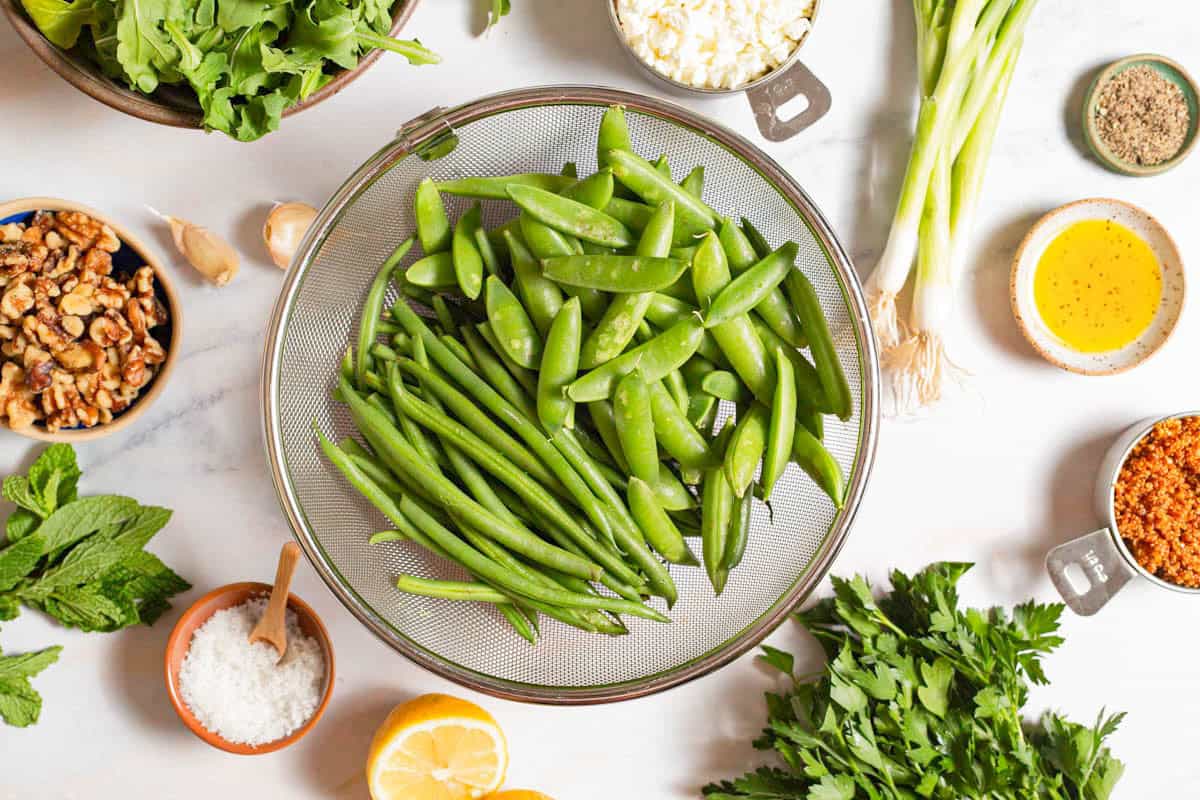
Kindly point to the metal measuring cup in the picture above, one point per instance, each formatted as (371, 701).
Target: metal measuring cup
(1090, 570)
(766, 94)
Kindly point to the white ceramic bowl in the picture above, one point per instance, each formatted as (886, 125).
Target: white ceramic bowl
(1030, 252)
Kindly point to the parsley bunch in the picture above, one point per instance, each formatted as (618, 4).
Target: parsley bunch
(244, 60)
(921, 699)
(80, 560)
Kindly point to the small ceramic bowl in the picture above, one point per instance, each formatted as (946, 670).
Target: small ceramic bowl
(1172, 72)
(181, 639)
(169, 105)
(133, 253)
(1045, 231)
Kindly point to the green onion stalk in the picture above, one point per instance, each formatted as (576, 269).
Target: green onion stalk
(977, 43)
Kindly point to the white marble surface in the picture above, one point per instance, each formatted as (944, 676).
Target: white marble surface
(1000, 474)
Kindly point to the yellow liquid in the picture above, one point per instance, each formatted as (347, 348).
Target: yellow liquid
(1097, 286)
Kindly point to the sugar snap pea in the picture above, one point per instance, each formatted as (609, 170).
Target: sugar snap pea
(432, 272)
(660, 531)
(677, 386)
(782, 427)
(829, 369)
(813, 458)
(595, 190)
(487, 252)
(773, 309)
(700, 405)
(604, 421)
(745, 448)
(739, 531)
(725, 386)
(691, 214)
(496, 188)
(468, 263)
(660, 355)
(373, 306)
(716, 507)
(433, 226)
(635, 426)
(542, 298)
(615, 273)
(693, 182)
(510, 322)
(613, 134)
(751, 287)
(675, 433)
(570, 170)
(525, 378)
(560, 363)
(571, 217)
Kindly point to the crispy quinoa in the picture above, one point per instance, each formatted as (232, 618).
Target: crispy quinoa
(1157, 501)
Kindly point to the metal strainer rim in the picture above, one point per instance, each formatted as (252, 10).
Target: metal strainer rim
(409, 140)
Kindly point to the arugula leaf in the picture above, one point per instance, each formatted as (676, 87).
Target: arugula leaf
(20, 704)
(59, 20)
(922, 699)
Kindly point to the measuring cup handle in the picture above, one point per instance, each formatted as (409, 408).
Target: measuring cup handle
(1094, 561)
(766, 100)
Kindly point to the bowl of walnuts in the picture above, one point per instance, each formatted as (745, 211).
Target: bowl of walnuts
(89, 322)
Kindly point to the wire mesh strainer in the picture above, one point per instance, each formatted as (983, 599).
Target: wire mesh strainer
(524, 131)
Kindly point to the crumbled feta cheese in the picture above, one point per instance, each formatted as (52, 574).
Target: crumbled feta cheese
(714, 44)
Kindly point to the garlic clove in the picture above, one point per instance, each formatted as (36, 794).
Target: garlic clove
(212, 256)
(284, 230)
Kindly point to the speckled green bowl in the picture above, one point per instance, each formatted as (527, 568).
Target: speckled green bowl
(1172, 72)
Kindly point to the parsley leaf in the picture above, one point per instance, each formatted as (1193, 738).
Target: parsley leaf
(923, 699)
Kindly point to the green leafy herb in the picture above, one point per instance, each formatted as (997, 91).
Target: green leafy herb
(20, 704)
(247, 61)
(79, 560)
(922, 699)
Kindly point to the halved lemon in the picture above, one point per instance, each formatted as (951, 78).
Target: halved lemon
(518, 794)
(436, 747)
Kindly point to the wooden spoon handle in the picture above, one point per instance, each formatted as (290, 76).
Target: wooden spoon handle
(274, 620)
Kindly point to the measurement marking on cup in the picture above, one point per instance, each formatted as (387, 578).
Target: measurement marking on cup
(1093, 561)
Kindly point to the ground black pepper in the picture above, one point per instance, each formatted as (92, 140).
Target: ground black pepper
(1142, 117)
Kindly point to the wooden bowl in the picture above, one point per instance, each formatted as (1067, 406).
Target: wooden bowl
(1168, 69)
(1024, 306)
(133, 252)
(221, 598)
(174, 106)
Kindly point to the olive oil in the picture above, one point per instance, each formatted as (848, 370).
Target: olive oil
(1097, 286)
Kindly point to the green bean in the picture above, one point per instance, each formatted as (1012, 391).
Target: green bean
(460, 351)
(773, 309)
(432, 272)
(625, 530)
(813, 458)
(737, 338)
(449, 590)
(433, 226)
(829, 369)
(386, 327)
(496, 188)
(739, 531)
(542, 298)
(387, 536)
(745, 449)
(441, 310)
(381, 352)
(475, 561)
(525, 378)
(725, 386)
(378, 473)
(654, 522)
(691, 214)
(693, 182)
(716, 507)
(423, 296)
(382, 406)
(369, 321)
(520, 424)
(490, 366)
(571, 217)
(468, 262)
(522, 623)
(635, 426)
(594, 191)
(447, 494)
(675, 433)
(751, 287)
(613, 135)
(660, 355)
(560, 365)
(614, 273)
(401, 342)
(412, 431)
(515, 331)
(782, 428)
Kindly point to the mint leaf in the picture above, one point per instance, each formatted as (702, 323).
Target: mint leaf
(20, 704)
(20, 523)
(83, 517)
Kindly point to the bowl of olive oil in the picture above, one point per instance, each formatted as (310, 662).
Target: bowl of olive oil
(1097, 286)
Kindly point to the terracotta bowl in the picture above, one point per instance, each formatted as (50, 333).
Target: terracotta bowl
(172, 106)
(221, 598)
(133, 253)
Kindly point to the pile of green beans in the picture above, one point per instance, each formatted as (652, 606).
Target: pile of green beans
(549, 425)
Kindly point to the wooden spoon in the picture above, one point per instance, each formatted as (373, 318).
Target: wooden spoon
(272, 628)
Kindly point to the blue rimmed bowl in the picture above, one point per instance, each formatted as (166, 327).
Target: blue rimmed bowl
(133, 254)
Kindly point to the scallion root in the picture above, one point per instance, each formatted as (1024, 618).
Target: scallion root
(920, 368)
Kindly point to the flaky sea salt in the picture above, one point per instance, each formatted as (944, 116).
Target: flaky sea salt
(237, 690)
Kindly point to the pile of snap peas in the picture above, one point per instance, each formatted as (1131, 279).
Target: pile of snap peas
(549, 425)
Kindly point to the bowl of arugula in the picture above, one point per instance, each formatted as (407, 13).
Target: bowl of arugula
(236, 66)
